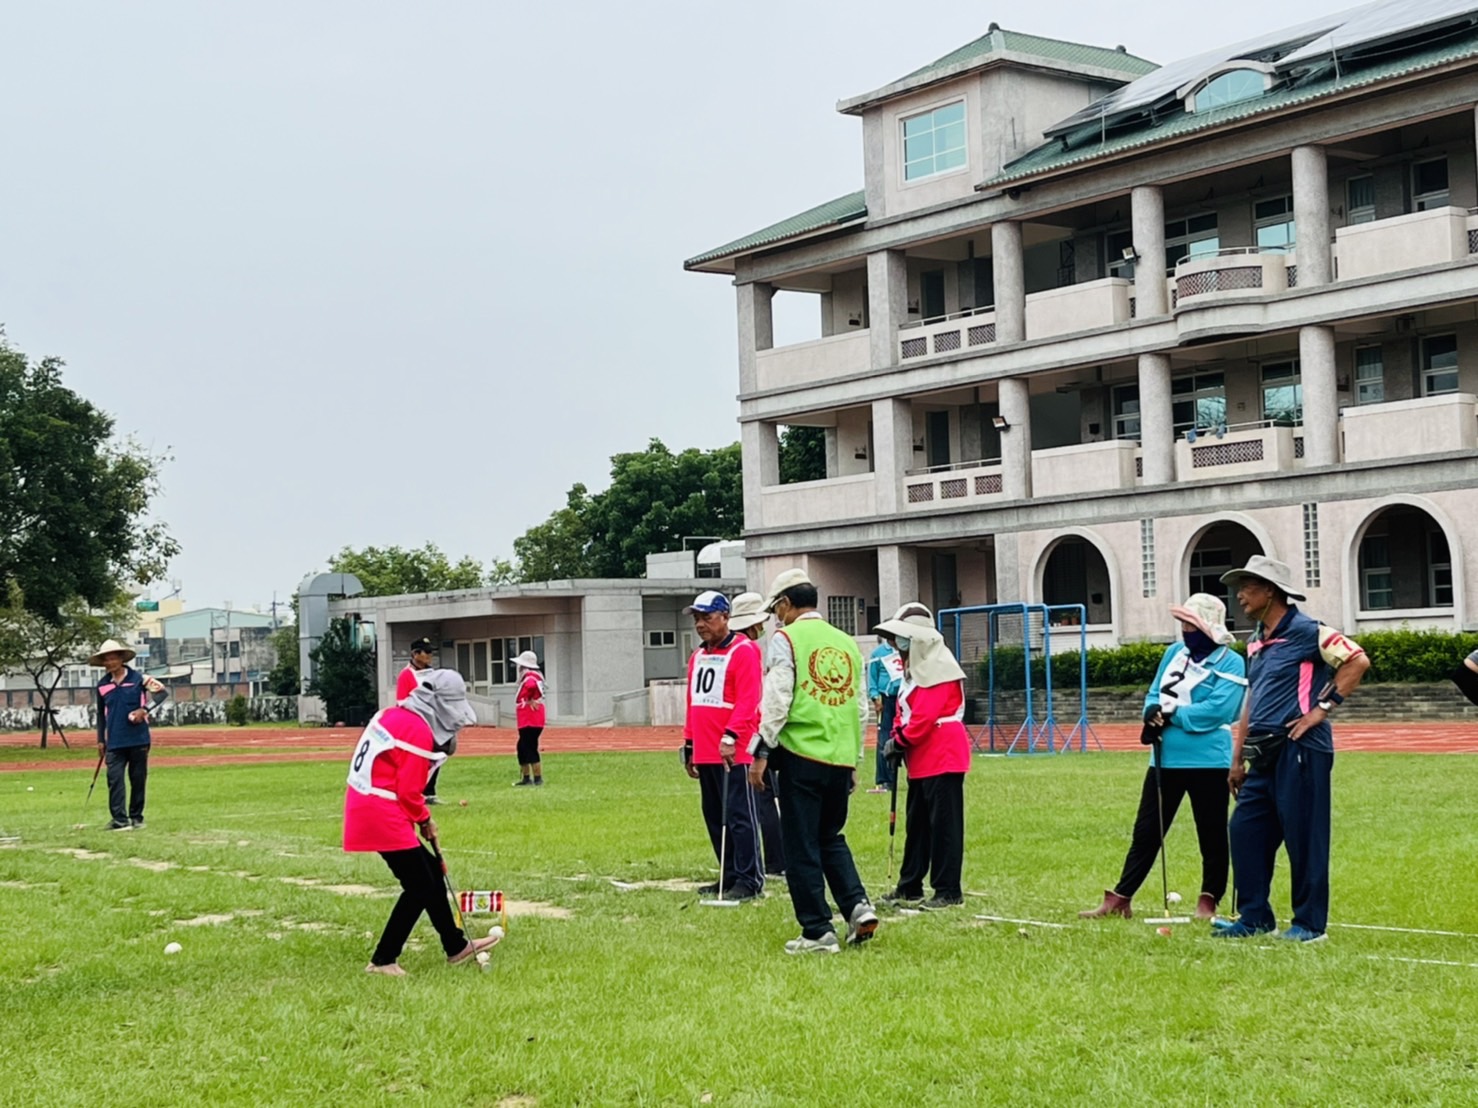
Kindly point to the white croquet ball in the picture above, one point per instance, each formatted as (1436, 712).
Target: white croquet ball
(1173, 898)
(495, 932)
(1023, 932)
(173, 948)
(483, 957)
(30, 788)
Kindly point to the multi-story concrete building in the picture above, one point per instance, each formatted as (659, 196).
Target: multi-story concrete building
(1096, 331)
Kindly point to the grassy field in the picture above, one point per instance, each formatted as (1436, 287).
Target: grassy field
(642, 997)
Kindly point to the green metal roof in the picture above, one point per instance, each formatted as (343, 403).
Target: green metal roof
(1051, 157)
(844, 209)
(1048, 49)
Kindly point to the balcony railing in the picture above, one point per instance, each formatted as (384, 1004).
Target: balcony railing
(960, 483)
(817, 360)
(1087, 467)
(1237, 271)
(1081, 307)
(835, 498)
(1238, 449)
(947, 334)
(1404, 242)
(1403, 428)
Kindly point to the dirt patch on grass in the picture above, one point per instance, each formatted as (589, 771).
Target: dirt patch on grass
(151, 866)
(670, 884)
(537, 908)
(518, 1100)
(210, 920)
(80, 854)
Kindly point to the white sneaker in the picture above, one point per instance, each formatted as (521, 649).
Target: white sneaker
(827, 944)
(863, 923)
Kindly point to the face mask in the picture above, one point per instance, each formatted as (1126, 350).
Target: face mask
(902, 645)
(1198, 643)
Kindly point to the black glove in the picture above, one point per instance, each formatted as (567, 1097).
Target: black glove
(892, 754)
(685, 754)
(1151, 712)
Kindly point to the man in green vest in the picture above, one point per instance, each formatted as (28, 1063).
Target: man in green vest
(811, 722)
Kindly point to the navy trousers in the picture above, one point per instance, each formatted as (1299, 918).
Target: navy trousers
(135, 761)
(742, 854)
(885, 775)
(813, 812)
(1288, 806)
(767, 808)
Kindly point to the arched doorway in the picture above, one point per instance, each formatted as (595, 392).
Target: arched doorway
(1404, 562)
(1221, 547)
(1075, 572)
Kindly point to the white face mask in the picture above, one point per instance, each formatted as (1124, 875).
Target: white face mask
(903, 645)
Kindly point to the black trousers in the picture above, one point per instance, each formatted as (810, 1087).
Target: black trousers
(134, 759)
(934, 835)
(813, 812)
(422, 890)
(1207, 789)
(528, 745)
(767, 808)
(742, 854)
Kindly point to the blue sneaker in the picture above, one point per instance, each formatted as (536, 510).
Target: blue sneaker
(1297, 933)
(1238, 930)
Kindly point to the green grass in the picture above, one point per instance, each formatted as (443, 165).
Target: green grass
(642, 997)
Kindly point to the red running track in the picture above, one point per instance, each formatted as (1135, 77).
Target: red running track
(228, 745)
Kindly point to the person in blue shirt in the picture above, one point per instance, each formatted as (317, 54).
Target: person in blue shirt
(124, 699)
(1299, 672)
(1192, 703)
(884, 678)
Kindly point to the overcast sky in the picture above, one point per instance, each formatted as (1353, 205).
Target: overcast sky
(381, 273)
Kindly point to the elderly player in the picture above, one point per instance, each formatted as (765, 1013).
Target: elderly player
(423, 657)
(747, 616)
(125, 698)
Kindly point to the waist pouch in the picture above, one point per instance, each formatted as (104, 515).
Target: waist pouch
(1261, 751)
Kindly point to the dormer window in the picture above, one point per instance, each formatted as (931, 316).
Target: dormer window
(1227, 85)
(934, 142)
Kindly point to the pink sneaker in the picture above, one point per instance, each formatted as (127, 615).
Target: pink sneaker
(473, 949)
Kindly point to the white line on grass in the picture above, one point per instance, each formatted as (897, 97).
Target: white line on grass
(1029, 922)
(1406, 930)
(1420, 961)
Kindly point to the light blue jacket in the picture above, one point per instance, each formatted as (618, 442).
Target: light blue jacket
(1200, 708)
(880, 682)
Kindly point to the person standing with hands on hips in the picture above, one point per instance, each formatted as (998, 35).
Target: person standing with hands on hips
(811, 721)
(724, 681)
(529, 712)
(385, 809)
(1283, 792)
(125, 698)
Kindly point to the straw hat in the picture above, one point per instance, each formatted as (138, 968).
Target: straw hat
(112, 646)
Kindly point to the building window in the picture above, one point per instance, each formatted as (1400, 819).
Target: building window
(934, 142)
(1192, 237)
(1147, 557)
(1439, 570)
(1198, 400)
(1230, 88)
(1311, 546)
(1207, 566)
(1376, 590)
(1360, 199)
(1282, 394)
(1370, 379)
(841, 613)
(656, 640)
(1439, 364)
(1274, 222)
(1429, 185)
(1126, 412)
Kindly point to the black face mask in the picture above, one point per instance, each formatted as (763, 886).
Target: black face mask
(1198, 643)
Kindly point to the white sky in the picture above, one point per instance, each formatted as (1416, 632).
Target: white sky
(383, 273)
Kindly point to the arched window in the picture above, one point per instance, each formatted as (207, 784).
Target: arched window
(1231, 87)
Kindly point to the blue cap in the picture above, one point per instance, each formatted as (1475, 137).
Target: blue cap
(708, 602)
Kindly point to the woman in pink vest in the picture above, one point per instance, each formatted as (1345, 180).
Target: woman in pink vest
(929, 734)
(529, 715)
(384, 808)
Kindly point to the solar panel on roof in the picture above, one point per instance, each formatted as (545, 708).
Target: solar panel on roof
(1384, 20)
(1165, 80)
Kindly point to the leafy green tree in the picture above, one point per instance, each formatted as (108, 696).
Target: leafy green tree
(343, 672)
(393, 571)
(285, 678)
(802, 454)
(74, 519)
(556, 550)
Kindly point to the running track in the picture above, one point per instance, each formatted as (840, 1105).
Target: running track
(227, 745)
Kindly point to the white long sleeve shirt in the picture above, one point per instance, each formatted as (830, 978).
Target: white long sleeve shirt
(779, 692)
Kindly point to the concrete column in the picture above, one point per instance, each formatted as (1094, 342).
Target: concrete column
(1009, 269)
(1156, 420)
(756, 330)
(898, 578)
(612, 656)
(1311, 216)
(1320, 393)
(1016, 440)
(1008, 570)
(833, 451)
(887, 304)
(1147, 213)
(892, 442)
(759, 447)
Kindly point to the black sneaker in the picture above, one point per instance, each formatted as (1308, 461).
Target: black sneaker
(137, 823)
(120, 825)
(936, 902)
(900, 899)
(524, 782)
(742, 892)
(708, 890)
(538, 782)
(433, 800)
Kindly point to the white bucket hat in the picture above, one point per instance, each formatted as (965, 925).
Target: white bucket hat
(1208, 614)
(527, 660)
(1265, 569)
(746, 610)
(112, 646)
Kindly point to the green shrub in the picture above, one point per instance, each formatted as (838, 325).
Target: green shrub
(1408, 656)
(236, 711)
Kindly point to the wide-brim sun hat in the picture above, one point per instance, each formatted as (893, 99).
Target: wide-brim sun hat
(527, 660)
(112, 646)
(912, 615)
(746, 610)
(1206, 613)
(1267, 569)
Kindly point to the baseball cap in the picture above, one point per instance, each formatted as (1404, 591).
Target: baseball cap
(787, 580)
(709, 601)
(423, 646)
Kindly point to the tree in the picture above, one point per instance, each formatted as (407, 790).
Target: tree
(392, 571)
(555, 550)
(802, 454)
(42, 647)
(74, 520)
(343, 672)
(285, 678)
